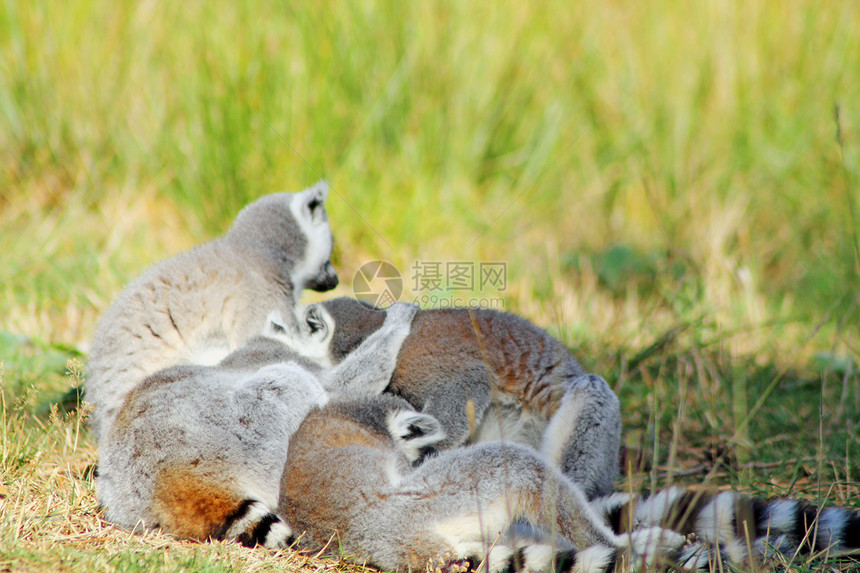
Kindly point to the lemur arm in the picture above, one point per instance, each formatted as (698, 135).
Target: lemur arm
(448, 401)
(367, 369)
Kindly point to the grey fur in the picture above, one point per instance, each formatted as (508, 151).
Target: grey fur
(348, 480)
(198, 306)
(524, 385)
(224, 431)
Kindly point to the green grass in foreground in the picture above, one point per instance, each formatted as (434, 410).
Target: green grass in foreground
(669, 183)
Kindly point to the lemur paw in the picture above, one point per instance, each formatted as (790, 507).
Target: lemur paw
(450, 563)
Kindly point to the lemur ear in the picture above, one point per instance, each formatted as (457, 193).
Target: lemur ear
(275, 325)
(415, 433)
(417, 425)
(315, 318)
(314, 200)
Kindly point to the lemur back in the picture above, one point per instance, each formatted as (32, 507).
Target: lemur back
(198, 451)
(352, 482)
(524, 385)
(197, 307)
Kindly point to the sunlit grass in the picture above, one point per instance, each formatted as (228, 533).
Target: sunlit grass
(663, 180)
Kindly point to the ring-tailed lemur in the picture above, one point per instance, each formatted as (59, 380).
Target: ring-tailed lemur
(198, 451)
(728, 525)
(524, 385)
(351, 481)
(198, 306)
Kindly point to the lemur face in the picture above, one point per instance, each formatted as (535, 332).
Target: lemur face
(315, 270)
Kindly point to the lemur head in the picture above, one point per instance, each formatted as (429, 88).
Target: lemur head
(352, 322)
(293, 230)
(413, 433)
(314, 338)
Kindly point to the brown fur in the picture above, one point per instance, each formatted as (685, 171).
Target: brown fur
(333, 434)
(487, 341)
(189, 506)
(306, 482)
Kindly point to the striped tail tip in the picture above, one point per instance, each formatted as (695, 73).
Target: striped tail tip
(254, 524)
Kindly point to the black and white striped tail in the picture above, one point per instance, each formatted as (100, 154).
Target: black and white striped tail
(254, 524)
(729, 525)
(533, 557)
(637, 551)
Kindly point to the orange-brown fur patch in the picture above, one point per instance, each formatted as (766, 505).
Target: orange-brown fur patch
(306, 477)
(431, 326)
(338, 435)
(189, 506)
(482, 338)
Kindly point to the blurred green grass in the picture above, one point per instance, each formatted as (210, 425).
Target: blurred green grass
(455, 130)
(663, 179)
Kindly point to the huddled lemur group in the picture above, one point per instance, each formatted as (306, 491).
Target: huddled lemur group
(223, 410)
